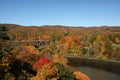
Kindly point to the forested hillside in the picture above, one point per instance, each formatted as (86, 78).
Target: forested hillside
(97, 42)
(34, 48)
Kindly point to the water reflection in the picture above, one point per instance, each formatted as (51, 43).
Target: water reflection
(98, 74)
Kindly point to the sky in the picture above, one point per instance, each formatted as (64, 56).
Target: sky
(60, 12)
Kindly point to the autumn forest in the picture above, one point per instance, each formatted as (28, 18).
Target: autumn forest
(36, 49)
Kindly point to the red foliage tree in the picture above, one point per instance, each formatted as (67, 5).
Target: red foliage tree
(41, 62)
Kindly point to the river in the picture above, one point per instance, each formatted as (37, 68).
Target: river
(98, 74)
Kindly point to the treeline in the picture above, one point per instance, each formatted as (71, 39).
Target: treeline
(96, 42)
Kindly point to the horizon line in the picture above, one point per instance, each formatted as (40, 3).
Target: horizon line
(62, 25)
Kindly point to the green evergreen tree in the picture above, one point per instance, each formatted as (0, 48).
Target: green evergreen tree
(3, 38)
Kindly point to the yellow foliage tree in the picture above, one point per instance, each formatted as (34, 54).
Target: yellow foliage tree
(47, 72)
(117, 40)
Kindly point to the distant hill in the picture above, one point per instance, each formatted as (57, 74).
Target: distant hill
(68, 28)
(59, 27)
(96, 41)
(16, 25)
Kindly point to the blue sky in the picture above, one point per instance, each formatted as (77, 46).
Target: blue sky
(60, 12)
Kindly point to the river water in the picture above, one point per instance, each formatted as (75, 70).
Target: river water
(98, 74)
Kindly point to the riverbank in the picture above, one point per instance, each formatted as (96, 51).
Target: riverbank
(98, 74)
(108, 65)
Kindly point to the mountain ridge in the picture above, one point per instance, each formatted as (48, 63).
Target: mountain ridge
(15, 25)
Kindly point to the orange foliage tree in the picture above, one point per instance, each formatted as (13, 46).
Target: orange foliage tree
(26, 53)
(69, 41)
